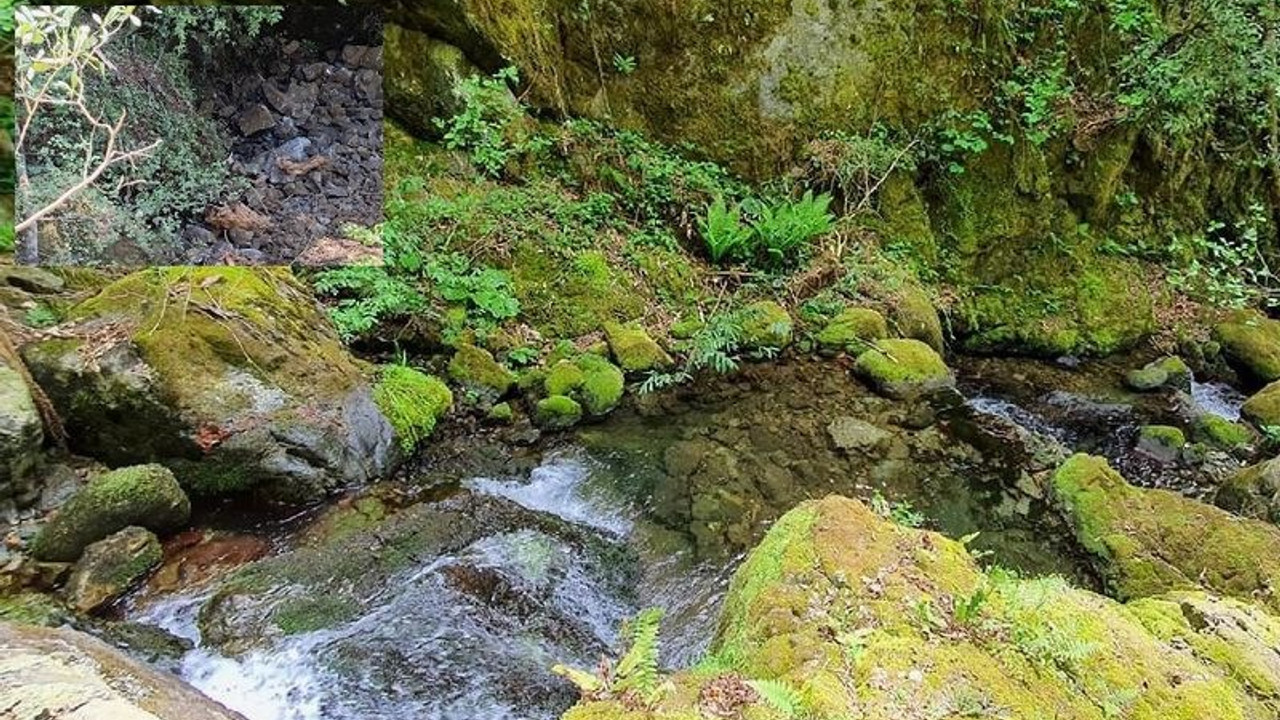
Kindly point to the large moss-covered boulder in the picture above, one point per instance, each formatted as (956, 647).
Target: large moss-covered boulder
(64, 674)
(903, 368)
(1146, 542)
(21, 435)
(232, 376)
(421, 77)
(852, 330)
(476, 368)
(1263, 409)
(1253, 492)
(1219, 432)
(765, 324)
(1251, 342)
(110, 566)
(145, 495)
(634, 350)
(591, 380)
(839, 613)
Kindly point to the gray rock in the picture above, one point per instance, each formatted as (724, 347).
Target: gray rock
(255, 120)
(31, 279)
(64, 674)
(852, 434)
(21, 430)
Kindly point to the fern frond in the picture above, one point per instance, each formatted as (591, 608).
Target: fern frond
(586, 683)
(780, 695)
(637, 671)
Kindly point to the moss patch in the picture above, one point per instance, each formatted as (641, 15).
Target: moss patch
(412, 402)
(475, 367)
(1263, 409)
(634, 350)
(1251, 342)
(903, 368)
(852, 329)
(765, 324)
(557, 412)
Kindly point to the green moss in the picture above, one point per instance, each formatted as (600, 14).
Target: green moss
(914, 317)
(563, 378)
(29, 608)
(1263, 409)
(765, 324)
(1253, 491)
(634, 350)
(903, 368)
(1220, 432)
(686, 328)
(603, 384)
(557, 412)
(475, 367)
(852, 329)
(561, 300)
(412, 402)
(1251, 341)
(146, 495)
(1146, 378)
(1161, 439)
(1145, 542)
(502, 413)
(307, 614)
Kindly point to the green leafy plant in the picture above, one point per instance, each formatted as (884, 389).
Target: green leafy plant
(41, 316)
(635, 680)
(780, 695)
(482, 127)
(368, 295)
(783, 228)
(624, 64)
(724, 233)
(901, 513)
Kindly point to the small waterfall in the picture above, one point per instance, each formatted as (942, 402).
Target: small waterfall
(1218, 398)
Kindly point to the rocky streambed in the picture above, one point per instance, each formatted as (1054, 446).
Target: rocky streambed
(451, 592)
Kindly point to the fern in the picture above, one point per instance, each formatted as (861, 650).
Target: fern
(780, 695)
(727, 238)
(637, 671)
(369, 296)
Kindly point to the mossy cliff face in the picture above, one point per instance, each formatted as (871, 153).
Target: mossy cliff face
(857, 617)
(232, 376)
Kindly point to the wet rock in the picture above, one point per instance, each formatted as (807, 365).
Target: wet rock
(248, 389)
(52, 674)
(1162, 442)
(1251, 342)
(904, 369)
(634, 350)
(1167, 372)
(1221, 433)
(145, 495)
(854, 435)
(111, 566)
(1147, 542)
(151, 645)
(1263, 409)
(33, 608)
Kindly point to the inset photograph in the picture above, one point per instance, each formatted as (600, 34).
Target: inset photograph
(198, 135)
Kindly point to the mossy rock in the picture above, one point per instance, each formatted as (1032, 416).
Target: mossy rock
(1253, 492)
(1219, 432)
(145, 495)
(848, 615)
(1165, 372)
(413, 402)
(903, 369)
(422, 73)
(853, 329)
(1162, 442)
(590, 380)
(21, 429)
(111, 566)
(30, 608)
(224, 367)
(1146, 542)
(502, 413)
(914, 317)
(634, 350)
(475, 368)
(1251, 342)
(557, 412)
(766, 324)
(1263, 409)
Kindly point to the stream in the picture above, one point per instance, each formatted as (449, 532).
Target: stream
(654, 507)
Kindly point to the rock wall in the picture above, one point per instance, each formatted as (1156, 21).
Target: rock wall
(307, 142)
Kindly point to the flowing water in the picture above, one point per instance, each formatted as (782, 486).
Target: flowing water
(654, 507)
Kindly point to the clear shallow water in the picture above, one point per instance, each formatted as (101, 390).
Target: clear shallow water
(1218, 398)
(471, 634)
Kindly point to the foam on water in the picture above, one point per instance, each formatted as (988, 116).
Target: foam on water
(1218, 398)
(559, 487)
